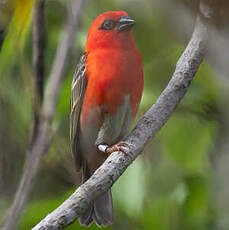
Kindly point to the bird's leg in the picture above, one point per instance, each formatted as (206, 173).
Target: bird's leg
(117, 147)
(103, 147)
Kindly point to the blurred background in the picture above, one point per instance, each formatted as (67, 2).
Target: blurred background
(180, 180)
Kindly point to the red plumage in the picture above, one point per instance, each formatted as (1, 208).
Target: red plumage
(106, 93)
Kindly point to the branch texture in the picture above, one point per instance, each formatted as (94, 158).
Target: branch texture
(105, 176)
(42, 132)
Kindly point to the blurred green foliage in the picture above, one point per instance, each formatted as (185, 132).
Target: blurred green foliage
(170, 185)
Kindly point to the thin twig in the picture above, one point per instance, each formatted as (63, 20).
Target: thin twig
(105, 176)
(41, 141)
(39, 41)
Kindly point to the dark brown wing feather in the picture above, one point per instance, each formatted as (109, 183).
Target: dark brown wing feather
(79, 85)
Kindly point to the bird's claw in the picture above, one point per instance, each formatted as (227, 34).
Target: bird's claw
(117, 147)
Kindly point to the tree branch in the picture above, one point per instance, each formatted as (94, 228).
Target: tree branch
(106, 175)
(41, 140)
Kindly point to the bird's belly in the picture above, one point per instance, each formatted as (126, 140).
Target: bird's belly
(115, 126)
(112, 129)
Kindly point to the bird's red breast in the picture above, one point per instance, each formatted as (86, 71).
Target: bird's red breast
(114, 69)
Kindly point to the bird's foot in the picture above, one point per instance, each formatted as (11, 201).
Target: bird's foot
(117, 147)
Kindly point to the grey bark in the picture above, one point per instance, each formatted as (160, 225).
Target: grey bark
(41, 140)
(106, 175)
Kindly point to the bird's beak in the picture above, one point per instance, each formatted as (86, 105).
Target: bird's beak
(125, 23)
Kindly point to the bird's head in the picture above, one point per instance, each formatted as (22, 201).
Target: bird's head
(110, 29)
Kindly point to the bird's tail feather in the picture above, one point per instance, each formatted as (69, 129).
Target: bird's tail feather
(103, 209)
(86, 218)
(101, 212)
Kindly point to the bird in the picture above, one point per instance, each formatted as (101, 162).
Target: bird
(105, 96)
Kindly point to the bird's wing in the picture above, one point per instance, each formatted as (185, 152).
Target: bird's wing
(79, 85)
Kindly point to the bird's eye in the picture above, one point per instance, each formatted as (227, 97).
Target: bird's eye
(108, 25)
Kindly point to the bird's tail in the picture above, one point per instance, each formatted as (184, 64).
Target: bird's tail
(101, 212)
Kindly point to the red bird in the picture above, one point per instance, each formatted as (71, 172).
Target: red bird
(106, 92)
